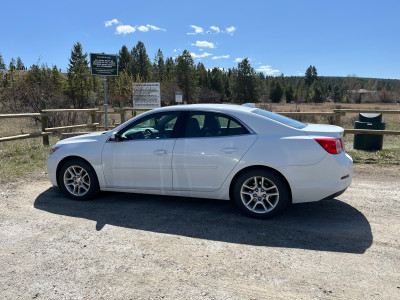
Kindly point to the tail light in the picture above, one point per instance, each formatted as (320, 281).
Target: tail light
(332, 146)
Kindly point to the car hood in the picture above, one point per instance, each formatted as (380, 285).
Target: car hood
(85, 138)
(323, 130)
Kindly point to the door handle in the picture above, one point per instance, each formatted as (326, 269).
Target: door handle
(160, 152)
(229, 150)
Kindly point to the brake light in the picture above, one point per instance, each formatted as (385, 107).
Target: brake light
(332, 146)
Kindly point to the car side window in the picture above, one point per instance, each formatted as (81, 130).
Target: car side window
(234, 128)
(209, 124)
(155, 126)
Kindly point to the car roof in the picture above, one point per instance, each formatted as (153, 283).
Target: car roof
(207, 107)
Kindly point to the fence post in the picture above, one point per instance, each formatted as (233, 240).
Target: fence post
(92, 114)
(43, 120)
(338, 114)
(122, 112)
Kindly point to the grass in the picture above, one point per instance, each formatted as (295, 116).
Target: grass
(22, 157)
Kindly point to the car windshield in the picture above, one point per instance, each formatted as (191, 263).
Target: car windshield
(280, 118)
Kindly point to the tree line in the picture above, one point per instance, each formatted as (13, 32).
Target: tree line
(78, 89)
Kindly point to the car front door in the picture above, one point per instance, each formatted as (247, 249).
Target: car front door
(140, 156)
(210, 147)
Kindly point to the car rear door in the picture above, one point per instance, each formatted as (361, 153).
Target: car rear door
(209, 148)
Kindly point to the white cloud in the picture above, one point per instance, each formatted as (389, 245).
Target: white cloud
(204, 44)
(215, 28)
(219, 57)
(267, 70)
(143, 28)
(231, 30)
(125, 29)
(197, 29)
(111, 22)
(202, 55)
(152, 27)
(238, 59)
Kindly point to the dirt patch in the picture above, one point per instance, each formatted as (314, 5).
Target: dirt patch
(139, 246)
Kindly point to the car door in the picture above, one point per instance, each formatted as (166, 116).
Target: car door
(210, 147)
(140, 156)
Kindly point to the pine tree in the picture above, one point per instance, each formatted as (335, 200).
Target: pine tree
(311, 76)
(78, 77)
(217, 82)
(316, 93)
(186, 76)
(141, 64)
(276, 92)
(124, 59)
(169, 69)
(159, 66)
(2, 64)
(245, 85)
(57, 78)
(203, 80)
(337, 94)
(20, 64)
(289, 94)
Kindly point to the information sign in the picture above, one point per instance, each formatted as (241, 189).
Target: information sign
(146, 95)
(103, 64)
(178, 97)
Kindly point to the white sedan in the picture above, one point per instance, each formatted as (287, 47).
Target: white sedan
(260, 160)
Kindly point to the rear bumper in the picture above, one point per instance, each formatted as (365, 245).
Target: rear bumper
(330, 177)
(334, 195)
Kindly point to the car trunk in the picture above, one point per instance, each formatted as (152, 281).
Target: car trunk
(320, 130)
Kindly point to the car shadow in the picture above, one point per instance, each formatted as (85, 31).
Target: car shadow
(329, 225)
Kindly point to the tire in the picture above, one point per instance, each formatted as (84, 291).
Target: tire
(260, 193)
(78, 180)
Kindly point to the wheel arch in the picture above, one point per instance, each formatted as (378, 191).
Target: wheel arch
(232, 184)
(66, 159)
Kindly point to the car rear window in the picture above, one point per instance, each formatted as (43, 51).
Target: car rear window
(279, 118)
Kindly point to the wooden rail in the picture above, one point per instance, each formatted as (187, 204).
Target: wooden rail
(24, 136)
(32, 115)
(94, 125)
(70, 110)
(367, 131)
(370, 111)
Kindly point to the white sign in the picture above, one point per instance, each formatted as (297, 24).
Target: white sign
(146, 95)
(178, 97)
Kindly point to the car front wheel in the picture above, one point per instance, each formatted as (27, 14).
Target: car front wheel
(260, 193)
(78, 180)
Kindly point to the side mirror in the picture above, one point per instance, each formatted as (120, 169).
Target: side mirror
(115, 137)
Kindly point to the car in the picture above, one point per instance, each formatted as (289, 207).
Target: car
(260, 160)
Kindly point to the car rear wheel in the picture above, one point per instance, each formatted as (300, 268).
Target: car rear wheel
(78, 180)
(260, 193)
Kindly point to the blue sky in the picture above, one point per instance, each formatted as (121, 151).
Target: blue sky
(338, 37)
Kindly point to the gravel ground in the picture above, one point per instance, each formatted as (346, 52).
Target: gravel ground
(126, 246)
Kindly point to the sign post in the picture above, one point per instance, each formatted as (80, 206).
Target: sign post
(104, 65)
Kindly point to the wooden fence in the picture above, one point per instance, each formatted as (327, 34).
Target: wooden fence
(46, 113)
(46, 131)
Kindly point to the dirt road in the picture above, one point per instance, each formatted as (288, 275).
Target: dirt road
(123, 246)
